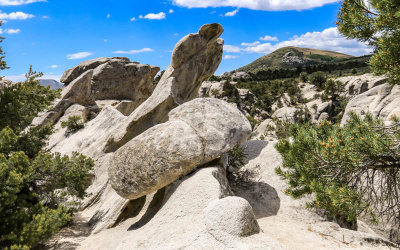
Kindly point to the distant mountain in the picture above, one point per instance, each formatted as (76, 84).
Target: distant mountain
(292, 57)
(50, 82)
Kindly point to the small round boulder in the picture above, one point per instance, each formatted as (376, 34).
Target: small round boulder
(231, 216)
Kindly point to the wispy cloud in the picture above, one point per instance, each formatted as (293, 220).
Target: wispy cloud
(269, 38)
(18, 2)
(268, 5)
(15, 16)
(171, 11)
(78, 55)
(328, 39)
(226, 57)
(54, 66)
(133, 19)
(231, 48)
(153, 16)
(108, 16)
(10, 31)
(232, 13)
(133, 51)
(250, 44)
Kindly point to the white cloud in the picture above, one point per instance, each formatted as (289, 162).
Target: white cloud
(176, 34)
(269, 38)
(171, 11)
(134, 18)
(133, 51)
(16, 78)
(232, 13)
(268, 5)
(45, 17)
(230, 57)
(108, 16)
(54, 66)
(18, 2)
(10, 31)
(250, 44)
(15, 16)
(153, 16)
(105, 40)
(79, 55)
(328, 39)
(232, 49)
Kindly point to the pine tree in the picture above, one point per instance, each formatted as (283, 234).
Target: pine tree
(376, 23)
(34, 184)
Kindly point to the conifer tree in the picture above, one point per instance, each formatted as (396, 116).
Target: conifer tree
(375, 22)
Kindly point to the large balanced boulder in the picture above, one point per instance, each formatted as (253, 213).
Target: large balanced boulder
(194, 59)
(197, 132)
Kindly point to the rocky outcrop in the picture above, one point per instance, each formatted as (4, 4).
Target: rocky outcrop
(102, 79)
(382, 101)
(77, 92)
(194, 59)
(119, 79)
(197, 132)
(287, 113)
(355, 85)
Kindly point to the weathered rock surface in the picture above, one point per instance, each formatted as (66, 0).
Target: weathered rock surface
(195, 58)
(197, 132)
(287, 220)
(77, 92)
(382, 101)
(230, 217)
(355, 85)
(119, 79)
(287, 113)
(102, 79)
(73, 73)
(174, 219)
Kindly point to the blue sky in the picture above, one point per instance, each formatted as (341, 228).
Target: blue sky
(55, 35)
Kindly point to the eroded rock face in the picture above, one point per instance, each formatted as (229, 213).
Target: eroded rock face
(382, 101)
(197, 132)
(102, 79)
(72, 73)
(77, 92)
(195, 58)
(355, 85)
(119, 79)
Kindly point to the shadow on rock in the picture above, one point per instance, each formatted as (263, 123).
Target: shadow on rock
(154, 206)
(252, 149)
(262, 197)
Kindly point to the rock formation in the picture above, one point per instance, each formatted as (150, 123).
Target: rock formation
(160, 178)
(194, 59)
(104, 78)
(382, 101)
(197, 132)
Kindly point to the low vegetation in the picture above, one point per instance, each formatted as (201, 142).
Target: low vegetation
(73, 124)
(351, 170)
(36, 187)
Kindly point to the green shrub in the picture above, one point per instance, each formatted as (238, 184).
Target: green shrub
(36, 187)
(73, 124)
(351, 170)
(236, 160)
(32, 208)
(318, 79)
(304, 77)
